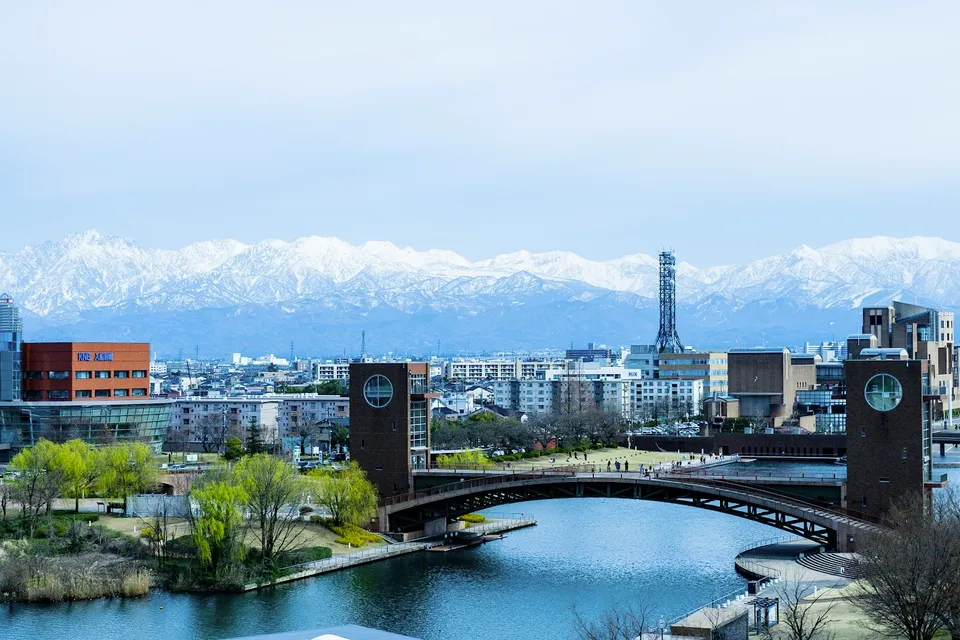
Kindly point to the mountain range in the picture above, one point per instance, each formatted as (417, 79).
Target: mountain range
(319, 293)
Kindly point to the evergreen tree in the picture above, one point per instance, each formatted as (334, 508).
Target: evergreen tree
(254, 440)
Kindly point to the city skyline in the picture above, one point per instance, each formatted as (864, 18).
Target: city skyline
(697, 130)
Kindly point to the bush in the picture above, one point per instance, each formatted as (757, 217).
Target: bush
(596, 447)
(353, 535)
(473, 518)
(304, 510)
(301, 556)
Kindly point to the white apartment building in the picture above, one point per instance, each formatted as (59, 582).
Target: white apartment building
(236, 414)
(330, 370)
(677, 398)
(309, 408)
(475, 370)
(158, 368)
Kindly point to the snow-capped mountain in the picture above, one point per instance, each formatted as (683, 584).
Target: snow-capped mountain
(103, 285)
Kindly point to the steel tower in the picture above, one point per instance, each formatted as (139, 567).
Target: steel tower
(668, 341)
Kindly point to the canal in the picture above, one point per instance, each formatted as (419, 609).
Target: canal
(591, 554)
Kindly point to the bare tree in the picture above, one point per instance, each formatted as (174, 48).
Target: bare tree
(274, 493)
(911, 571)
(804, 611)
(616, 624)
(208, 431)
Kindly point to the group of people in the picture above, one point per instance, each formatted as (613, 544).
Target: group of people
(626, 465)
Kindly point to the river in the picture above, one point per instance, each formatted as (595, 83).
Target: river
(588, 553)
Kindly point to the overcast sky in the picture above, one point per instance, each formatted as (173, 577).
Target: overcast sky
(727, 130)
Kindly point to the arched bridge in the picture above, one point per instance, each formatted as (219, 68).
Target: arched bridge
(833, 527)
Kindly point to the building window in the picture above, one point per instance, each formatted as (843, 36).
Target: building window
(884, 480)
(83, 393)
(139, 392)
(58, 375)
(83, 375)
(32, 395)
(140, 374)
(101, 393)
(57, 394)
(121, 374)
(101, 374)
(120, 393)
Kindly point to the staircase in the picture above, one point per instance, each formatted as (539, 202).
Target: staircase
(831, 564)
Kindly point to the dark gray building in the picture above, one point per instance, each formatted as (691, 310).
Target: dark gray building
(390, 422)
(889, 438)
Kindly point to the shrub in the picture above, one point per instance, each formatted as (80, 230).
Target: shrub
(473, 518)
(301, 556)
(353, 535)
(304, 510)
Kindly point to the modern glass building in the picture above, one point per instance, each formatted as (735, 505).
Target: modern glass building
(11, 339)
(22, 424)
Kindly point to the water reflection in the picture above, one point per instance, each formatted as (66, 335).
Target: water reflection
(588, 553)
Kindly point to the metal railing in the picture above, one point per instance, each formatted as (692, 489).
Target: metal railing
(359, 557)
(474, 484)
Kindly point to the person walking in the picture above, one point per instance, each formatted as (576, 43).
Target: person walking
(608, 465)
(626, 465)
(617, 465)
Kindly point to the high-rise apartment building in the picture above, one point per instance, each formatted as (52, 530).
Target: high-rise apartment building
(11, 338)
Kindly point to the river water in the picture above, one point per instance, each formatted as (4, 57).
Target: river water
(590, 554)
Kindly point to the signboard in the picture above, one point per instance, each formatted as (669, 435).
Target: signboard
(96, 357)
(192, 457)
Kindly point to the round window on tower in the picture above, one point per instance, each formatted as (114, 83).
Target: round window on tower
(883, 392)
(378, 391)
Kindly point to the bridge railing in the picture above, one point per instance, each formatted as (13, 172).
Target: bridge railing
(473, 484)
(820, 505)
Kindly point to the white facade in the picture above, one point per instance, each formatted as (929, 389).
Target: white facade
(234, 413)
(329, 370)
(475, 370)
(158, 368)
(310, 408)
(682, 397)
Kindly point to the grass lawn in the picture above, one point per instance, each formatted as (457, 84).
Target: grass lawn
(636, 459)
(179, 458)
(315, 534)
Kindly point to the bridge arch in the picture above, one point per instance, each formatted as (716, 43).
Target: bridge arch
(833, 528)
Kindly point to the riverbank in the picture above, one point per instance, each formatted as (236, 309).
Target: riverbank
(779, 564)
(385, 552)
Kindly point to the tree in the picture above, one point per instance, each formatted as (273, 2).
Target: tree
(464, 460)
(254, 438)
(911, 569)
(177, 439)
(804, 612)
(218, 522)
(40, 479)
(233, 449)
(615, 624)
(210, 432)
(273, 494)
(330, 388)
(81, 466)
(339, 436)
(346, 494)
(303, 430)
(128, 468)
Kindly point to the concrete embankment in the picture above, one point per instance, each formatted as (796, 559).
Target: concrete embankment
(385, 552)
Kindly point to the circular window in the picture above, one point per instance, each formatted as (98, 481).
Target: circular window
(883, 392)
(378, 391)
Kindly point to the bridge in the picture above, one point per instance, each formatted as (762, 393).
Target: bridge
(945, 437)
(430, 509)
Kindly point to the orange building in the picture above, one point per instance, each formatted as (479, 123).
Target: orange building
(105, 371)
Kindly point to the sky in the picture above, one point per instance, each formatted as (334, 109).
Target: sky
(726, 130)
